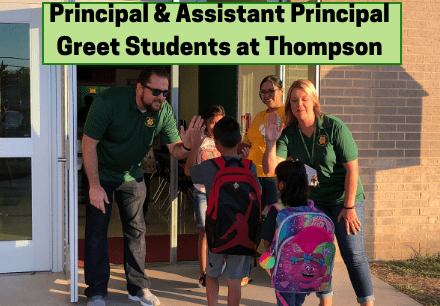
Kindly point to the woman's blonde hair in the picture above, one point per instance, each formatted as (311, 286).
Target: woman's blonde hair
(310, 90)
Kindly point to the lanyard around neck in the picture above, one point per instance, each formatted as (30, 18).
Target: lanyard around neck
(304, 143)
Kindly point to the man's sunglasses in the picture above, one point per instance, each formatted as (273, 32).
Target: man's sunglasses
(156, 92)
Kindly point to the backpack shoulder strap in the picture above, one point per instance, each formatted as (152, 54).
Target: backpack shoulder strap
(247, 163)
(220, 162)
(278, 206)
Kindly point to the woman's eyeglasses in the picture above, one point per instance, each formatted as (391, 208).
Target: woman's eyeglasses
(156, 92)
(270, 92)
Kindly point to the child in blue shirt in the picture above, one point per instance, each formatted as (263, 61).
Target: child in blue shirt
(226, 137)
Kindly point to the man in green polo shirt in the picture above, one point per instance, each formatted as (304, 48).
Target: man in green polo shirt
(121, 127)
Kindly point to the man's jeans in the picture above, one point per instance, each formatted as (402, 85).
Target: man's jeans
(352, 251)
(130, 198)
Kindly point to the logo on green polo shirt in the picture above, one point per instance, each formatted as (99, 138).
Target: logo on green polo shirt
(322, 140)
(150, 122)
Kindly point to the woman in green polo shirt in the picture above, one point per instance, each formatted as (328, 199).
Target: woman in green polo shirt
(324, 143)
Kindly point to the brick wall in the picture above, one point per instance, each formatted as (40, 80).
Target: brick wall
(394, 115)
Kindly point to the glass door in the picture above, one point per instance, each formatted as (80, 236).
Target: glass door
(25, 241)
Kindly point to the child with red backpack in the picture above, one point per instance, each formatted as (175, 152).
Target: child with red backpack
(298, 239)
(233, 212)
(206, 150)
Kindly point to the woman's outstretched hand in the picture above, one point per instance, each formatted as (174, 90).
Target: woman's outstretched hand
(273, 127)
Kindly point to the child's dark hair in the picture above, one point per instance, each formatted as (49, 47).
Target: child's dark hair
(227, 132)
(296, 189)
(212, 111)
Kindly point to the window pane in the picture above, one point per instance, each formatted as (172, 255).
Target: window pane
(14, 80)
(15, 199)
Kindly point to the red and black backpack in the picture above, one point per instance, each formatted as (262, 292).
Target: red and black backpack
(233, 214)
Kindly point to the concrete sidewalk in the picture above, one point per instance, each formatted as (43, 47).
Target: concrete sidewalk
(176, 285)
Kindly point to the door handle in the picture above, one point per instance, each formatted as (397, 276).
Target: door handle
(65, 159)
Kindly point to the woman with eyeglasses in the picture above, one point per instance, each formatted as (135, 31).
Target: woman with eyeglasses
(271, 94)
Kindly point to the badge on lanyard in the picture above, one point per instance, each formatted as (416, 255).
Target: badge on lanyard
(312, 173)
(312, 176)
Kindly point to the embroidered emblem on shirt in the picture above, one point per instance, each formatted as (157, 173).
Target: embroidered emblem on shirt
(236, 185)
(150, 122)
(322, 140)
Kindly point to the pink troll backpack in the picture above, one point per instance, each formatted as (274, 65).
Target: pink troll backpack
(303, 250)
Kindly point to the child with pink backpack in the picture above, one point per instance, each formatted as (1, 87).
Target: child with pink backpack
(298, 238)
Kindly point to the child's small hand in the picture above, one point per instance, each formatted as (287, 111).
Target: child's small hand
(244, 152)
(242, 145)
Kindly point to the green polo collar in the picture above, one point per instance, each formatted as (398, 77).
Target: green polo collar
(324, 123)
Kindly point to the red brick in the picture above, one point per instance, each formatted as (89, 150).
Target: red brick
(392, 119)
(366, 101)
(412, 76)
(338, 83)
(432, 59)
(368, 153)
(367, 67)
(357, 92)
(385, 75)
(391, 136)
(418, 32)
(333, 74)
(412, 58)
(366, 83)
(358, 74)
(365, 118)
(385, 93)
(413, 6)
(391, 153)
(392, 84)
(419, 50)
(393, 102)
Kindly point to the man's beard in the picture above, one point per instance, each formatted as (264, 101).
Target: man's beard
(149, 108)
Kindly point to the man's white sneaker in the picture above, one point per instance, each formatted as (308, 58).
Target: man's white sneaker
(96, 300)
(145, 297)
